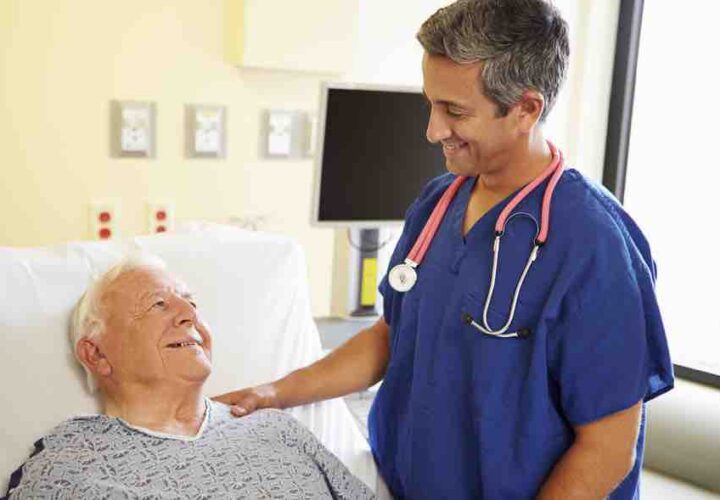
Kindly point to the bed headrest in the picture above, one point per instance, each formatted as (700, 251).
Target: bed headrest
(250, 287)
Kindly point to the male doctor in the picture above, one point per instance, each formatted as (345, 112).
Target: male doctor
(494, 390)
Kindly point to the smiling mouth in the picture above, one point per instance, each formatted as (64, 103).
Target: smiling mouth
(178, 345)
(451, 148)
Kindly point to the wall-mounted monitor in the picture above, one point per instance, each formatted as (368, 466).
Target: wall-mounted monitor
(372, 157)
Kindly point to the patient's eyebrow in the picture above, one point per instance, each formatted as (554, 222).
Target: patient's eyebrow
(146, 299)
(153, 294)
(164, 291)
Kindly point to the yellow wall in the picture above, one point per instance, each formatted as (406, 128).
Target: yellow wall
(64, 60)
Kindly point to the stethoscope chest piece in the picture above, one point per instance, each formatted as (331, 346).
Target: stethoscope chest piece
(402, 277)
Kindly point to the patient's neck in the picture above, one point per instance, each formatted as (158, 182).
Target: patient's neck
(179, 411)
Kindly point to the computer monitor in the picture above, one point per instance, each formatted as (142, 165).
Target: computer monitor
(372, 155)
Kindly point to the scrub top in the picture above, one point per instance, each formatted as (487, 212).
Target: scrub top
(461, 414)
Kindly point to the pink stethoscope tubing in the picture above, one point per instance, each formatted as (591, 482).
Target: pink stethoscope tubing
(403, 276)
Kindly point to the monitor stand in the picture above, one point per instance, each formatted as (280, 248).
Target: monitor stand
(367, 274)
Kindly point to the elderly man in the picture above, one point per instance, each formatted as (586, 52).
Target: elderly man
(138, 334)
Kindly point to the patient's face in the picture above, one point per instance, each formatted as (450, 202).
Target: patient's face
(154, 333)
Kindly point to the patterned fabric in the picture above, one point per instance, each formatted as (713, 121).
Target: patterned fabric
(264, 455)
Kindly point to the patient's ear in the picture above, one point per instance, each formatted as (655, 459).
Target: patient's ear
(90, 354)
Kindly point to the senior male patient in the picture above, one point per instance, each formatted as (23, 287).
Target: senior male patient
(138, 333)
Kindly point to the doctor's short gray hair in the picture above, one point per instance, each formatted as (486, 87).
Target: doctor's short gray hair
(88, 318)
(523, 44)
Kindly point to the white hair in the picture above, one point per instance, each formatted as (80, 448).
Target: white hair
(88, 318)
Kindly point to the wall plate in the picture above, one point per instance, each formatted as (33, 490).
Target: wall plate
(204, 131)
(284, 134)
(103, 219)
(160, 216)
(132, 129)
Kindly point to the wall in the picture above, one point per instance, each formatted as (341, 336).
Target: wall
(63, 61)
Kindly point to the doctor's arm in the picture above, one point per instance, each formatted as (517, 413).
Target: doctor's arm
(601, 456)
(357, 364)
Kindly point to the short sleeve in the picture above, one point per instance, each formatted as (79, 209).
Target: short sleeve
(608, 349)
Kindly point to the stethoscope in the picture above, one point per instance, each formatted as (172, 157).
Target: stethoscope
(403, 277)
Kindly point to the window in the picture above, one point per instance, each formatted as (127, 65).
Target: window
(662, 161)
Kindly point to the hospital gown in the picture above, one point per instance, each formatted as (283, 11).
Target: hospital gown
(461, 414)
(264, 455)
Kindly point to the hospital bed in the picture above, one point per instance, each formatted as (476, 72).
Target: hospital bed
(251, 288)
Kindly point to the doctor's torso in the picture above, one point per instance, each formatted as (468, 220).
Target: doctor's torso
(459, 410)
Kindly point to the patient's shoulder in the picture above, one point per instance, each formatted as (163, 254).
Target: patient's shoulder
(265, 424)
(76, 431)
(269, 419)
(288, 429)
(57, 458)
(273, 418)
(266, 416)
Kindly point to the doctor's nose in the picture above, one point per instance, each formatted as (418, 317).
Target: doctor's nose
(437, 127)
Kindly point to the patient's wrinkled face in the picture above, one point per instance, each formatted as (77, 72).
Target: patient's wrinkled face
(154, 333)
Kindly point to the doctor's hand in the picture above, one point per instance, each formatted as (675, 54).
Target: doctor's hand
(246, 401)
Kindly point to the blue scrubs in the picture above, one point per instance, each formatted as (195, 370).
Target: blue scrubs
(464, 415)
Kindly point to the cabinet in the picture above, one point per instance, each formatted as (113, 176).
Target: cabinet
(315, 36)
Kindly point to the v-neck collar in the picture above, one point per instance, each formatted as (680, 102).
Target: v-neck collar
(489, 217)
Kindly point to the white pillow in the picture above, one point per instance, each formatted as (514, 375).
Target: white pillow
(251, 289)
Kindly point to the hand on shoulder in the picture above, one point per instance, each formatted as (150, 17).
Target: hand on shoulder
(245, 401)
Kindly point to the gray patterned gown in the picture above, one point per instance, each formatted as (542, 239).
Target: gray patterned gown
(264, 455)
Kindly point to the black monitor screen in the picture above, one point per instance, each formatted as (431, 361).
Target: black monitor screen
(375, 157)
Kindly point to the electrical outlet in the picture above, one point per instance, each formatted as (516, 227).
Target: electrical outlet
(133, 129)
(160, 217)
(205, 131)
(285, 134)
(103, 220)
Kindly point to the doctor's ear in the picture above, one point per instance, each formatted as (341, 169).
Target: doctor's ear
(529, 110)
(89, 353)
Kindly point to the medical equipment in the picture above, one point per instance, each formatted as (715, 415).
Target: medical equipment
(403, 277)
(367, 180)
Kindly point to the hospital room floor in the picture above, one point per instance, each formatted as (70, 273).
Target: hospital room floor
(654, 486)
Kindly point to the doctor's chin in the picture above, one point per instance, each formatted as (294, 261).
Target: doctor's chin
(359, 249)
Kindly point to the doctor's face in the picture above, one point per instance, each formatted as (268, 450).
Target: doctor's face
(475, 139)
(153, 331)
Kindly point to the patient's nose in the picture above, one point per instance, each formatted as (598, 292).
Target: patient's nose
(185, 315)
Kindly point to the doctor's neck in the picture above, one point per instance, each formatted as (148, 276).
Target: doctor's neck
(516, 166)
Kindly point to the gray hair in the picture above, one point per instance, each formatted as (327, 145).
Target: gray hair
(88, 318)
(523, 44)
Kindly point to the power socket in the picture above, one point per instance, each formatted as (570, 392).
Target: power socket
(103, 220)
(160, 216)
